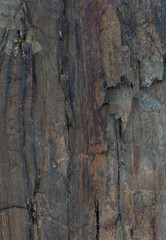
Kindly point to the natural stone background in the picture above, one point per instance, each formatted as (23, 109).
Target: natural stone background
(83, 119)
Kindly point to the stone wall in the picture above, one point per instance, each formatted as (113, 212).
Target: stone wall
(83, 119)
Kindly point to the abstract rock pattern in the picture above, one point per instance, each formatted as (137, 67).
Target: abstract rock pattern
(83, 119)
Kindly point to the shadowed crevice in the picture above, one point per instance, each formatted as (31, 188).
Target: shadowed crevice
(97, 219)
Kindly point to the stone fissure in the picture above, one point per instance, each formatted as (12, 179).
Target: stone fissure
(97, 218)
(118, 130)
(79, 99)
(4, 39)
(8, 208)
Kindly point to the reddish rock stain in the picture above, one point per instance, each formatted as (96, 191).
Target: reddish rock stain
(93, 14)
(92, 71)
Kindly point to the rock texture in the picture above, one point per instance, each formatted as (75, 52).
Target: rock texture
(83, 119)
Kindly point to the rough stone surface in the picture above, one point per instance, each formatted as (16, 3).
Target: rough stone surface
(83, 119)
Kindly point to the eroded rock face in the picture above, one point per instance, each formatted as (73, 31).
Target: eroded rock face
(82, 137)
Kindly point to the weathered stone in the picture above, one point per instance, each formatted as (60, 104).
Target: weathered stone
(83, 109)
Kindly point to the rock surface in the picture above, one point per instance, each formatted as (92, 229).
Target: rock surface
(83, 119)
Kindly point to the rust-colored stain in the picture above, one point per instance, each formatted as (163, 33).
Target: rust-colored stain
(136, 160)
(153, 230)
(91, 122)
(93, 14)
(93, 117)
(92, 141)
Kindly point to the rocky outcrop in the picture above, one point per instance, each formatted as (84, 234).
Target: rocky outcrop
(82, 137)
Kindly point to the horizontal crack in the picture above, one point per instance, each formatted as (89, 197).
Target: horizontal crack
(11, 207)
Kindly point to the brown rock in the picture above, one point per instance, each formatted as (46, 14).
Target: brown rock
(82, 136)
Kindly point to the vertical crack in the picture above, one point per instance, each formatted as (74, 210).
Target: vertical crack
(97, 218)
(64, 7)
(32, 218)
(27, 59)
(64, 77)
(2, 47)
(131, 233)
(33, 215)
(118, 130)
(164, 63)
